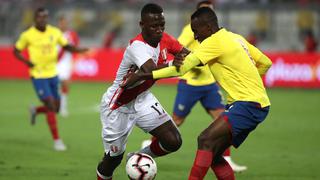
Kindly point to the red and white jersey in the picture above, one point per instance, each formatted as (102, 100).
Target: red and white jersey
(65, 57)
(136, 54)
(73, 39)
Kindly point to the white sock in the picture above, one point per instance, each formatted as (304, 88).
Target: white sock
(227, 158)
(64, 101)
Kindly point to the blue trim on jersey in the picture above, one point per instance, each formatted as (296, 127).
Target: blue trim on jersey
(188, 95)
(48, 87)
(243, 118)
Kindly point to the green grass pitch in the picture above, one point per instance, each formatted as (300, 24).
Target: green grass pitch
(285, 147)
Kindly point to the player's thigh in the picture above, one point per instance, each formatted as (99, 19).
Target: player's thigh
(116, 127)
(54, 84)
(212, 98)
(151, 114)
(243, 117)
(42, 88)
(186, 98)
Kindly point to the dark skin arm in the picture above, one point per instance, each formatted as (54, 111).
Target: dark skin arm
(178, 58)
(75, 49)
(146, 69)
(19, 56)
(149, 66)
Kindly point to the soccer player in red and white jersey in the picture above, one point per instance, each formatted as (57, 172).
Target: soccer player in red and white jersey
(65, 63)
(121, 109)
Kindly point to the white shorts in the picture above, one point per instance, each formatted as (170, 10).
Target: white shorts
(117, 125)
(65, 67)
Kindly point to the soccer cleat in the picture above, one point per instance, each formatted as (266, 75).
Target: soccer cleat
(129, 155)
(33, 114)
(145, 143)
(59, 145)
(235, 167)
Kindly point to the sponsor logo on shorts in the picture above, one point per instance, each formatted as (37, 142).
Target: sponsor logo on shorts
(41, 92)
(181, 107)
(227, 110)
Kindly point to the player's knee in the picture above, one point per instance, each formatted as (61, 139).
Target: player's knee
(172, 143)
(205, 141)
(178, 120)
(108, 164)
(51, 105)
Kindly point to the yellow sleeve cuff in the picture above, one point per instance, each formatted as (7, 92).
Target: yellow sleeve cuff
(189, 62)
(165, 72)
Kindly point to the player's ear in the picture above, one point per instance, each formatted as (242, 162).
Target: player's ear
(209, 27)
(141, 24)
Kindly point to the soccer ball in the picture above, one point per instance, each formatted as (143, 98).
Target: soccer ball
(141, 166)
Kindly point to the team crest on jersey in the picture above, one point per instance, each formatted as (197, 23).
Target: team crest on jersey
(164, 54)
(51, 38)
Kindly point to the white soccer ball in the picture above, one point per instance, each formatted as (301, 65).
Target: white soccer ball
(141, 166)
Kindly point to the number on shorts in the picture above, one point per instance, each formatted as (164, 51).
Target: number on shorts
(155, 107)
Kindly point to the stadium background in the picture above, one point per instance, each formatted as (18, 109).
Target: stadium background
(286, 146)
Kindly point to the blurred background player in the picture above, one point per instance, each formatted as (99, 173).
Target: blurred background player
(310, 42)
(65, 63)
(198, 85)
(41, 41)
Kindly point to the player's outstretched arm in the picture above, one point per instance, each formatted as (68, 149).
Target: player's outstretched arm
(190, 62)
(132, 78)
(76, 49)
(19, 56)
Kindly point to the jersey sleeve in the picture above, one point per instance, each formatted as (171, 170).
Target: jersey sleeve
(263, 63)
(186, 37)
(190, 62)
(62, 41)
(75, 38)
(208, 50)
(139, 53)
(255, 53)
(22, 42)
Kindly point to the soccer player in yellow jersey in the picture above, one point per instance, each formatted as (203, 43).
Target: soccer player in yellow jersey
(199, 85)
(237, 66)
(41, 41)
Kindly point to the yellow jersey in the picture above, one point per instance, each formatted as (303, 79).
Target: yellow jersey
(43, 49)
(198, 76)
(232, 61)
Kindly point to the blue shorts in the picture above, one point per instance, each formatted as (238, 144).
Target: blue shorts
(188, 95)
(46, 87)
(243, 117)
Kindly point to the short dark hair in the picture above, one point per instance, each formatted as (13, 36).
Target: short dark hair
(203, 2)
(40, 9)
(151, 8)
(207, 15)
